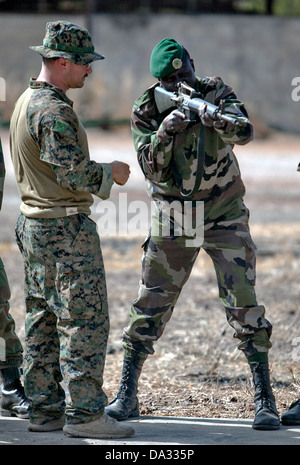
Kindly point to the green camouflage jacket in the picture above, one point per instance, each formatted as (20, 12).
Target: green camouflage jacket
(169, 162)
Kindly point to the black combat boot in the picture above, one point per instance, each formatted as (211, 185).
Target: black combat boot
(292, 416)
(13, 399)
(266, 415)
(126, 403)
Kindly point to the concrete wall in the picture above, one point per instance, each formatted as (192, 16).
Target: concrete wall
(257, 55)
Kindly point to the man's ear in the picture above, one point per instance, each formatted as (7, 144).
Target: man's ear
(62, 63)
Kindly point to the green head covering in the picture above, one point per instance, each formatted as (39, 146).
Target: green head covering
(69, 41)
(166, 57)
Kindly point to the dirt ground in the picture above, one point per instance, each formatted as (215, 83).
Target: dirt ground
(197, 370)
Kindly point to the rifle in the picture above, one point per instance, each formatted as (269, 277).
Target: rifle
(189, 103)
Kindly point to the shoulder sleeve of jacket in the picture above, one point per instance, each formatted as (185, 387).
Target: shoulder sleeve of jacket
(58, 135)
(143, 120)
(61, 120)
(218, 91)
(153, 150)
(214, 89)
(146, 97)
(44, 115)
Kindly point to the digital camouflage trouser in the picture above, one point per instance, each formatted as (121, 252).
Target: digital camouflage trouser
(166, 265)
(66, 318)
(10, 345)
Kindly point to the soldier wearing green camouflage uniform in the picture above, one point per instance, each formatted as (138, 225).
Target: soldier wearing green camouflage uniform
(168, 147)
(67, 320)
(13, 400)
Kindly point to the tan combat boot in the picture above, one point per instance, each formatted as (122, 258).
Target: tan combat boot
(104, 428)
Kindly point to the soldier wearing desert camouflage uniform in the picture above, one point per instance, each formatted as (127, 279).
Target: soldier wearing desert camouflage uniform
(168, 146)
(66, 304)
(13, 400)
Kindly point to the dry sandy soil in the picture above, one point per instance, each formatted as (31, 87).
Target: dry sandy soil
(196, 370)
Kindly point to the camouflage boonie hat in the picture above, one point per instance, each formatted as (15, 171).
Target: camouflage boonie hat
(166, 57)
(69, 41)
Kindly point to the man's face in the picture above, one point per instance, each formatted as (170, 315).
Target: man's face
(185, 74)
(77, 74)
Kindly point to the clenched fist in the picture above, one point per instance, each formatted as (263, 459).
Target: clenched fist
(121, 172)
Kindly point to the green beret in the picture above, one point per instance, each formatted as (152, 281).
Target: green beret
(166, 57)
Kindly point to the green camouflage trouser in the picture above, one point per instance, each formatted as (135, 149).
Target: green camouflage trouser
(166, 266)
(66, 318)
(10, 345)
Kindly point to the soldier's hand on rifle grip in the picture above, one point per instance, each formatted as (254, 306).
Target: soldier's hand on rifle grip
(121, 172)
(175, 122)
(206, 120)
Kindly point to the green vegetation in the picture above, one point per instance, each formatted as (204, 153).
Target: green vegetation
(275, 7)
(260, 7)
